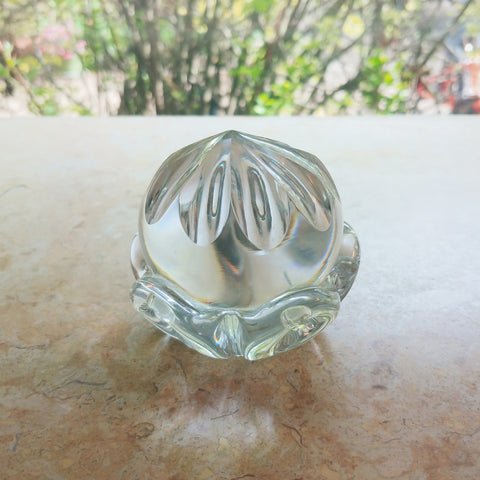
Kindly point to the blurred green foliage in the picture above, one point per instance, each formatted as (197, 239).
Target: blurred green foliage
(214, 57)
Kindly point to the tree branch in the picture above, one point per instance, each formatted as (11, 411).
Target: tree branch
(442, 38)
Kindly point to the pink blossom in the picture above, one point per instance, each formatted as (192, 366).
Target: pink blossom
(55, 33)
(81, 45)
(67, 55)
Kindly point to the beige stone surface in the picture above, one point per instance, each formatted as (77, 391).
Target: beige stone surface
(89, 390)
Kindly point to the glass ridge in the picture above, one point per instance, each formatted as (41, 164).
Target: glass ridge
(242, 249)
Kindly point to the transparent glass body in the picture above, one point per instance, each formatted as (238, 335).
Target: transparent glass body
(242, 249)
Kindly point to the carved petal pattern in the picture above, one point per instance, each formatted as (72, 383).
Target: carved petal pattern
(258, 181)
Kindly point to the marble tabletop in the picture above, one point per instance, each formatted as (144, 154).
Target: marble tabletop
(90, 390)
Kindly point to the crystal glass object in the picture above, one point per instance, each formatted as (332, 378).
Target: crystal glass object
(242, 249)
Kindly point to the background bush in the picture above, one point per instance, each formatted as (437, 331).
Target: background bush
(232, 57)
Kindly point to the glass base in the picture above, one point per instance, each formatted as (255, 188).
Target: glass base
(220, 331)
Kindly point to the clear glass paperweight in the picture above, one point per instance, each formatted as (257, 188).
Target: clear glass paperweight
(242, 249)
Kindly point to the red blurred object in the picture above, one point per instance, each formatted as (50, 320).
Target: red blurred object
(476, 105)
(457, 87)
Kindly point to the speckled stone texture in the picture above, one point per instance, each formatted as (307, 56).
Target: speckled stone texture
(89, 390)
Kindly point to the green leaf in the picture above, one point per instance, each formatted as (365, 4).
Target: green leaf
(262, 6)
(4, 72)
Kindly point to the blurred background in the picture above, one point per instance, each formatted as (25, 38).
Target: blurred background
(241, 57)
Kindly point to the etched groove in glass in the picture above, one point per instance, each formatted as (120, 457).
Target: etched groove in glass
(242, 249)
